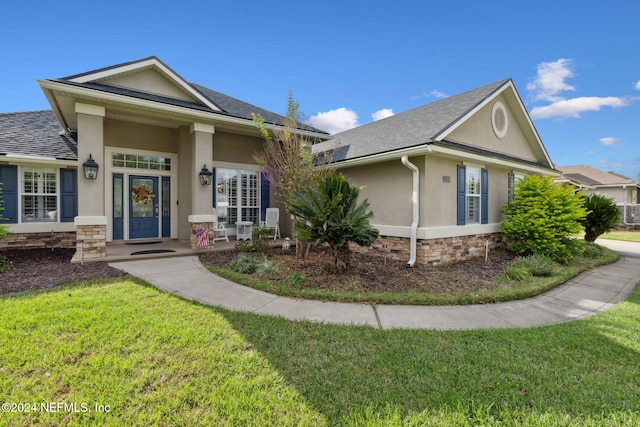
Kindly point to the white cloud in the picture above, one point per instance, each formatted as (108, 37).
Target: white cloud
(335, 121)
(573, 107)
(610, 140)
(550, 80)
(382, 114)
(637, 85)
(433, 94)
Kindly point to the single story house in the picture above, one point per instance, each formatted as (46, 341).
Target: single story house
(624, 191)
(438, 175)
(127, 153)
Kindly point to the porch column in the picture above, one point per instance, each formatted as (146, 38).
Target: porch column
(91, 222)
(201, 216)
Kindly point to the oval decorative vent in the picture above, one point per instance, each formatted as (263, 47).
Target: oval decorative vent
(499, 120)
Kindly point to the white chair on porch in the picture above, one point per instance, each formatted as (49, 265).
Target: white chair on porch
(272, 220)
(219, 228)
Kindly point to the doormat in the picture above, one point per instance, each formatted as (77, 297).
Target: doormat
(155, 251)
(153, 242)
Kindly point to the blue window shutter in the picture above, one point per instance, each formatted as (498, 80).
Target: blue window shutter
(9, 194)
(265, 195)
(462, 193)
(68, 194)
(484, 197)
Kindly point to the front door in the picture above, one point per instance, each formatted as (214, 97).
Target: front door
(143, 207)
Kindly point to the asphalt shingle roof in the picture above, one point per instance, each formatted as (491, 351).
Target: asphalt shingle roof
(592, 176)
(36, 133)
(408, 129)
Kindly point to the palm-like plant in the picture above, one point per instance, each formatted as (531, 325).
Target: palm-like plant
(329, 212)
(603, 216)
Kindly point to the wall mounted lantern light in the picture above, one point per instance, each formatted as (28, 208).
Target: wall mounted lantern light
(90, 168)
(206, 176)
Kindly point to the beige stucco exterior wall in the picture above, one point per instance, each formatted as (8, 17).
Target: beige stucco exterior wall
(387, 186)
(139, 136)
(618, 194)
(233, 148)
(477, 131)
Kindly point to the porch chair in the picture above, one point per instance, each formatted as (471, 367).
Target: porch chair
(219, 228)
(272, 220)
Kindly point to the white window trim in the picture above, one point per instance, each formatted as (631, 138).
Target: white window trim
(22, 193)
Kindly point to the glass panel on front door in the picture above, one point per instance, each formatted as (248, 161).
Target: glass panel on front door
(143, 215)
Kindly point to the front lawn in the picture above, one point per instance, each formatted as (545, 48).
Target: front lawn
(145, 357)
(627, 236)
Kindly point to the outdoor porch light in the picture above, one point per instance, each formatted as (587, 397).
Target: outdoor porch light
(206, 176)
(90, 168)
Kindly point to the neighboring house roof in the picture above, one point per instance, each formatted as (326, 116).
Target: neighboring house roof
(428, 124)
(36, 133)
(583, 174)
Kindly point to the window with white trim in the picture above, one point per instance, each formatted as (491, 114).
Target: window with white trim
(39, 195)
(237, 196)
(472, 186)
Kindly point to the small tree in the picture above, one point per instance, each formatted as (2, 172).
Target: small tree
(603, 216)
(287, 156)
(541, 218)
(330, 213)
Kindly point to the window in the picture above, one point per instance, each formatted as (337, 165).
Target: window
(134, 161)
(473, 195)
(237, 196)
(499, 120)
(39, 197)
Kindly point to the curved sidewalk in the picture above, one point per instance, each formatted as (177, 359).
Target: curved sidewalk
(586, 294)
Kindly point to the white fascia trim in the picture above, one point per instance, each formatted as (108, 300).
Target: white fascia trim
(20, 159)
(149, 63)
(479, 158)
(383, 157)
(426, 233)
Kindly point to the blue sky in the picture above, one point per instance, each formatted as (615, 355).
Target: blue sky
(576, 65)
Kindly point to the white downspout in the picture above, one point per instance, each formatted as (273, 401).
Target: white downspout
(415, 198)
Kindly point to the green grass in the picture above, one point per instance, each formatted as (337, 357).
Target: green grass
(515, 290)
(627, 236)
(158, 360)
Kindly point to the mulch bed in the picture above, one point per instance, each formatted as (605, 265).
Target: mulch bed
(371, 273)
(43, 268)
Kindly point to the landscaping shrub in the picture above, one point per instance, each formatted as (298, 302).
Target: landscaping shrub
(541, 218)
(532, 265)
(244, 263)
(591, 250)
(329, 213)
(602, 216)
(258, 242)
(296, 280)
(266, 269)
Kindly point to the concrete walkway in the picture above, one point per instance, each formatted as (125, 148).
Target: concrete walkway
(585, 295)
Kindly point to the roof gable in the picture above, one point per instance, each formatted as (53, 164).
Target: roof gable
(431, 124)
(147, 75)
